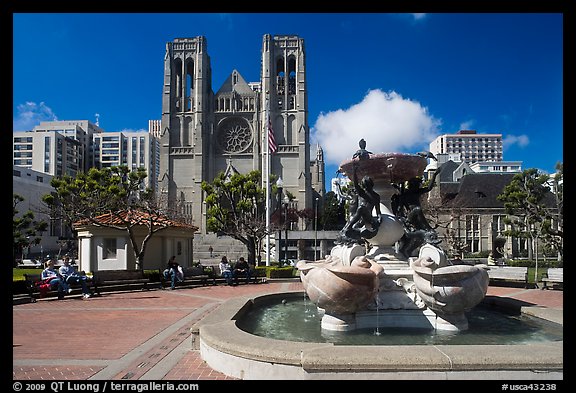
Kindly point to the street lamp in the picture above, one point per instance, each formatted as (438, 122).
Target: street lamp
(316, 228)
(286, 201)
(279, 186)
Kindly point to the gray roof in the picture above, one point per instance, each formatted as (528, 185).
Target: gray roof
(480, 190)
(476, 190)
(240, 86)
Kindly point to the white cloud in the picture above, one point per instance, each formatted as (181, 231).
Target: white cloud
(30, 115)
(467, 125)
(519, 140)
(387, 121)
(419, 16)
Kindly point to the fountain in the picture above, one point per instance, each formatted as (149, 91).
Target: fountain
(386, 270)
(371, 278)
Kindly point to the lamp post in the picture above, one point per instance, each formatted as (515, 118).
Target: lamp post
(286, 201)
(316, 229)
(279, 186)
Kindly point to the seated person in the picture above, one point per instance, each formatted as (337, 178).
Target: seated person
(172, 272)
(242, 269)
(70, 276)
(226, 270)
(51, 275)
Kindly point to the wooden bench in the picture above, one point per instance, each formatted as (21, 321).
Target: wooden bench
(255, 278)
(120, 280)
(512, 274)
(31, 280)
(30, 263)
(554, 276)
(192, 275)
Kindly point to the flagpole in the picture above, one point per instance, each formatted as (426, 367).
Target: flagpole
(267, 177)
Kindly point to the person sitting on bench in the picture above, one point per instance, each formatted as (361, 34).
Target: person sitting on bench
(242, 269)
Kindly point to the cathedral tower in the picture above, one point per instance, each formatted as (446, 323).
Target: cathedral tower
(186, 125)
(204, 133)
(285, 95)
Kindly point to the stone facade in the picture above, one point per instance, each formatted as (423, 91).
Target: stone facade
(204, 133)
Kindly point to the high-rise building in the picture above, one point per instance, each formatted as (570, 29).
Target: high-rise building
(55, 147)
(204, 132)
(135, 149)
(66, 147)
(471, 146)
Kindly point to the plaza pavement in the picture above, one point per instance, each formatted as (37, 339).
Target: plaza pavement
(145, 335)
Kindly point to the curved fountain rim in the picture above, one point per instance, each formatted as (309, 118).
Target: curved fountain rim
(232, 351)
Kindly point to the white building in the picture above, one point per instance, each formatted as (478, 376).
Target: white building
(135, 149)
(32, 186)
(469, 145)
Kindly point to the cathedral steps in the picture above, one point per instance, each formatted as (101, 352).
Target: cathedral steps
(221, 246)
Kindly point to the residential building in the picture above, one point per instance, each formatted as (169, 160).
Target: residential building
(32, 186)
(470, 146)
(135, 149)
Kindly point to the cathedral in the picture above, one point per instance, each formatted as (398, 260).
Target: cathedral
(204, 132)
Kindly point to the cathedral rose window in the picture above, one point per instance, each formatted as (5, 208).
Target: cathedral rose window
(234, 135)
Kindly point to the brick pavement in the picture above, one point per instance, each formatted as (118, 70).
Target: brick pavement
(143, 335)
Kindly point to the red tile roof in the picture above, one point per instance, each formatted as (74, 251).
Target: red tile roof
(135, 217)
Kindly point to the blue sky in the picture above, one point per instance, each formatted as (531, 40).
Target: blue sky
(397, 80)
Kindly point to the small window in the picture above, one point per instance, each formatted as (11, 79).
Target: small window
(109, 248)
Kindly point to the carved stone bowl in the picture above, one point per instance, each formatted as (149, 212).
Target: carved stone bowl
(389, 167)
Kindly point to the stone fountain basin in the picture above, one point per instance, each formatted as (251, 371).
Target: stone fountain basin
(451, 289)
(447, 275)
(239, 354)
(339, 289)
(389, 167)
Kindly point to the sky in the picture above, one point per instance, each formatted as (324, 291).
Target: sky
(397, 80)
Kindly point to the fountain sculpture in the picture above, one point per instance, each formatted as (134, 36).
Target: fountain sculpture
(372, 277)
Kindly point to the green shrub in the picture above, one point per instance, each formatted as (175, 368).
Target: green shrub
(260, 271)
(280, 272)
(532, 263)
(153, 275)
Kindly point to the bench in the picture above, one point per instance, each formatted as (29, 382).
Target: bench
(31, 280)
(554, 276)
(255, 278)
(192, 275)
(30, 263)
(120, 280)
(513, 274)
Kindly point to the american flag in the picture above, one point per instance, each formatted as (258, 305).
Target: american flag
(271, 141)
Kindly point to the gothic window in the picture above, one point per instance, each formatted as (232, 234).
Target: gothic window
(189, 84)
(234, 135)
(177, 78)
(292, 75)
(280, 75)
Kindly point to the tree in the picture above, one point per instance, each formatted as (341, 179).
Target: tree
(115, 191)
(554, 237)
(236, 208)
(25, 229)
(528, 215)
(330, 217)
